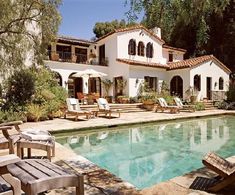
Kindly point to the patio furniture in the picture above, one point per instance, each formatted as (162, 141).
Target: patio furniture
(8, 185)
(104, 107)
(80, 97)
(39, 175)
(164, 106)
(9, 141)
(224, 169)
(181, 106)
(75, 110)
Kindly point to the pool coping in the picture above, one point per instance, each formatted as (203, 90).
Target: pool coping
(117, 124)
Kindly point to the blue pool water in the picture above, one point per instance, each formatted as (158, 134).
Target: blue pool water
(148, 154)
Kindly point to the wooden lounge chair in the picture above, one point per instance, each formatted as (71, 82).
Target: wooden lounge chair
(164, 106)
(38, 176)
(104, 108)
(224, 169)
(8, 185)
(181, 106)
(10, 140)
(75, 110)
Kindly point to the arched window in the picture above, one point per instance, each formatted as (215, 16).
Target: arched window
(141, 48)
(149, 50)
(132, 47)
(197, 82)
(221, 83)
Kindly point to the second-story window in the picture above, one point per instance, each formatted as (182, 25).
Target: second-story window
(141, 48)
(170, 57)
(102, 55)
(132, 47)
(149, 50)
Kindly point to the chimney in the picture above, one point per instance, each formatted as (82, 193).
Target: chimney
(157, 31)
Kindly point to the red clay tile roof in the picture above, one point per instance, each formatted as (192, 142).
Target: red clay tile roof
(132, 28)
(189, 63)
(146, 64)
(193, 62)
(74, 40)
(174, 48)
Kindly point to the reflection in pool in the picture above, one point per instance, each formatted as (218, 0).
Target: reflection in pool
(148, 154)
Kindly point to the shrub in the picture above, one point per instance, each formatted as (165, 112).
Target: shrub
(19, 89)
(35, 112)
(231, 92)
(199, 106)
(7, 116)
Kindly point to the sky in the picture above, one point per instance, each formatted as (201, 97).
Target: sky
(79, 16)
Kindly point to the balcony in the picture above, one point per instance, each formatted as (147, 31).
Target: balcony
(76, 58)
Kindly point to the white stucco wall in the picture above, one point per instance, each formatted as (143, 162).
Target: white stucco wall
(209, 69)
(123, 39)
(184, 74)
(115, 69)
(138, 72)
(177, 56)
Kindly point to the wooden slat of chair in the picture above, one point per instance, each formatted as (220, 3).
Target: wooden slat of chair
(53, 167)
(34, 171)
(44, 169)
(19, 173)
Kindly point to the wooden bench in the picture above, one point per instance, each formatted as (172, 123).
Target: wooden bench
(38, 176)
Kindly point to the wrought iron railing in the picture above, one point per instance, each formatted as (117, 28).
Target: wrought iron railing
(76, 58)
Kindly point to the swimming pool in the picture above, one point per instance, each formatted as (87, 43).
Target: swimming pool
(148, 154)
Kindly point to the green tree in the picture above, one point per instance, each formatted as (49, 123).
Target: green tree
(184, 23)
(102, 28)
(26, 25)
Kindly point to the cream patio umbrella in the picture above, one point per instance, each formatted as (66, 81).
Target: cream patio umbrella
(89, 73)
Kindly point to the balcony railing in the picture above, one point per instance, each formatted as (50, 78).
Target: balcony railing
(81, 58)
(76, 58)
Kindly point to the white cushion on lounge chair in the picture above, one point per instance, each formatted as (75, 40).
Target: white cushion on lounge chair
(73, 101)
(178, 102)
(36, 134)
(103, 104)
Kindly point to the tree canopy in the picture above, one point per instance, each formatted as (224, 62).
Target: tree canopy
(102, 28)
(201, 27)
(26, 28)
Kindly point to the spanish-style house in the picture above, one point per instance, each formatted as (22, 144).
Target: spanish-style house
(135, 55)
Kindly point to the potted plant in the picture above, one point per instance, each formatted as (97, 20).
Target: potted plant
(192, 94)
(122, 99)
(148, 99)
(107, 85)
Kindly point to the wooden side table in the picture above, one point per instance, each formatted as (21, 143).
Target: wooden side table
(48, 146)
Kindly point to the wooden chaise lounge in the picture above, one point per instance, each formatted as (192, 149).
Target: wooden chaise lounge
(38, 176)
(75, 110)
(10, 140)
(104, 108)
(224, 169)
(162, 106)
(181, 106)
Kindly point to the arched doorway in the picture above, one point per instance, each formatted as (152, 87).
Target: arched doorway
(176, 86)
(75, 85)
